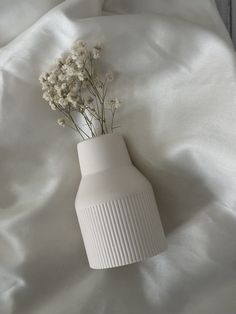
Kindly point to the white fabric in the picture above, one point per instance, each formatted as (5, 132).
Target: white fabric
(175, 72)
(225, 8)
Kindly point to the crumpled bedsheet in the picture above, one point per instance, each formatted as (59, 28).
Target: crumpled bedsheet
(175, 73)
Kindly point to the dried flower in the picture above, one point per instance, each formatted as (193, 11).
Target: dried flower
(115, 103)
(74, 86)
(63, 102)
(81, 75)
(52, 105)
(52, 78)
(61, 122)
(43, 77)
(80, 44)
(61, 77)
(96, 53)
(98, 45)
(109, 76)
(79, 63)
(46, 96)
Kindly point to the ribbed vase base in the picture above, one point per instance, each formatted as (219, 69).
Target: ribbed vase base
(122, 231)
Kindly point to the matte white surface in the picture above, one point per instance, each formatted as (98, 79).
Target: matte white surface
(175, 72)
(115, 205)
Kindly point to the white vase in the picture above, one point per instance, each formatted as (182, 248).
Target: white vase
(115, 205)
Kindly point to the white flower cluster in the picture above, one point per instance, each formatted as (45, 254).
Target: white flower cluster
(61, 122)
(61, 85)
(73, 85)
(114, 103)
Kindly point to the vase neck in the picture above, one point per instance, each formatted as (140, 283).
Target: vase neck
(101, 153)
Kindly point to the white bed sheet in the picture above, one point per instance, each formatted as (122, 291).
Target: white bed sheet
(175, 72)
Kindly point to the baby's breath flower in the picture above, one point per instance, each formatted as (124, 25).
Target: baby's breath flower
(61, 122)
(81, 75)
(82, 53)
(115, 103)
(63, 86)
(43, 77)
(80, 44)
(63, 102)
(78, 54)
(74, 85)
(74, 56)
(71, 71)
(79, 63)
(45, 86)
(96, 53)
(98, 45)
(69, 60)
(58, 90)
(72, 100)
(52, 105)
(52, 79)
(64, 68)
(60, 61)
(109, 76)
(61, 77)
(46, 96)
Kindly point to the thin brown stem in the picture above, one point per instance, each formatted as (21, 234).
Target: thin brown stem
(89, 123)
(112, 119)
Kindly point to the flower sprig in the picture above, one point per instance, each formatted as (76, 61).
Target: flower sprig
(75, 88)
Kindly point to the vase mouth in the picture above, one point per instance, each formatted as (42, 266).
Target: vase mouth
(91, 139)
(101, 153)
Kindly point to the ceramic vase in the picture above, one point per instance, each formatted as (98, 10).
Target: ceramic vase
(115, 205)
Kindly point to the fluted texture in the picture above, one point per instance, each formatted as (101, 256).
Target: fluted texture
(122, 231)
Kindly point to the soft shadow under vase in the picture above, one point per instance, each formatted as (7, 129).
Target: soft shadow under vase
(115, 205)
